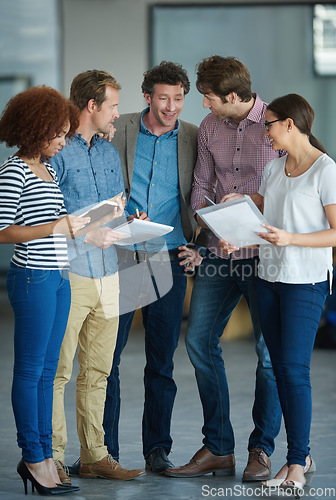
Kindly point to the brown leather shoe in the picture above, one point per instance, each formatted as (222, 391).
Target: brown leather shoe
(258, 466)
(204, 462)
(108, 468)
(62, 473)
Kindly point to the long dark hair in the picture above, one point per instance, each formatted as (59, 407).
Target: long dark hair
(299, 110)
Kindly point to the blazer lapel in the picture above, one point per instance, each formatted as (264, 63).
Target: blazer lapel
(132, 132)
(182, 155)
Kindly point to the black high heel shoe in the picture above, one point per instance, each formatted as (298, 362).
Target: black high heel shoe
(26, 476)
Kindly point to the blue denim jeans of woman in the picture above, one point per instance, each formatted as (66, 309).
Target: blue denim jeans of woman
(289, 316)
(41, 301)
(219, 286)
(162, 322)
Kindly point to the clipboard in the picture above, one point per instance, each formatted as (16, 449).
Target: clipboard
(237, 222)
(102, 209)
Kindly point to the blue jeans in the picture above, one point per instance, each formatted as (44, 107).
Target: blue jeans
(289, 316)
(41, 301)
(162, 322)
(218, 288)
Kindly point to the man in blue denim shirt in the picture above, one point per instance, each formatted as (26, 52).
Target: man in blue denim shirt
(88, 170)
(158, 154)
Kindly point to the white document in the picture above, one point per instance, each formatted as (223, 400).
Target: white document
(237, 222)
(138, 230)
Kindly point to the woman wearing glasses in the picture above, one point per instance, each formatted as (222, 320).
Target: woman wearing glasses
(298, 197)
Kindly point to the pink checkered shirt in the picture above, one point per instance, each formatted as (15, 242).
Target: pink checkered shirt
(231, 158)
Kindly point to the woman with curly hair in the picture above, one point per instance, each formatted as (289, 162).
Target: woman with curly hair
(33, 217)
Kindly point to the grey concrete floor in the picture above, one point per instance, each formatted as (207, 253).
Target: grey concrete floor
(240, 362)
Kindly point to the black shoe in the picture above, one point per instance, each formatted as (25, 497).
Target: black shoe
(73, 470)
(157, 461)
(26, 476)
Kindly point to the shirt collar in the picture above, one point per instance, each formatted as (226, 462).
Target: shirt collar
(83, 142)
(144, 129)
(256, 112)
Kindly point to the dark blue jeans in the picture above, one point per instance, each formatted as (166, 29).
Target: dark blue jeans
(289, 316)
(162, 322)
(41, 301)
(218, 288)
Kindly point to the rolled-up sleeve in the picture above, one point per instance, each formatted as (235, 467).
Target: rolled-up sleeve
(204, 174)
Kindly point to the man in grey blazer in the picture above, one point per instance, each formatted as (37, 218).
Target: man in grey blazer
(158, 154)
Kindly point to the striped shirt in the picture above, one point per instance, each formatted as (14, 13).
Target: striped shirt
(27, 200)
(231, 158)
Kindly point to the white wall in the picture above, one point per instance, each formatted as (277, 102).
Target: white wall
(276, 46)
(110, 35)
(114, 35)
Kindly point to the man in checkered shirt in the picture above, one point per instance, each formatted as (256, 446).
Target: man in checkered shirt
(232, 154)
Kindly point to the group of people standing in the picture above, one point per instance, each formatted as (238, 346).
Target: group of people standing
(65, 288)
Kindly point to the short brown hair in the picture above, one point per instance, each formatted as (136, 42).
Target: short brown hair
(223, 75)
(91, 84)
(34, 117)
(168, 73)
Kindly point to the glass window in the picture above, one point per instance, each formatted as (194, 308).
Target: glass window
(324, 30)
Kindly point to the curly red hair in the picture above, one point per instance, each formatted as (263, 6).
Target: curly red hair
(34, 117)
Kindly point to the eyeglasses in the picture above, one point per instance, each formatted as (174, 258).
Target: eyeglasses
(267, 124)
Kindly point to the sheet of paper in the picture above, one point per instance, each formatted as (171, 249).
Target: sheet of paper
(237, 222)
(137, 231)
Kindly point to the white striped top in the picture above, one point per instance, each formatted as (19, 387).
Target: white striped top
(27, 200)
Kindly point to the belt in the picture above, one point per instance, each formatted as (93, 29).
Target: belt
(125, 255)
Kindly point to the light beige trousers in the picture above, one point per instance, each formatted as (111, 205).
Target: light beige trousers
(93, 326)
